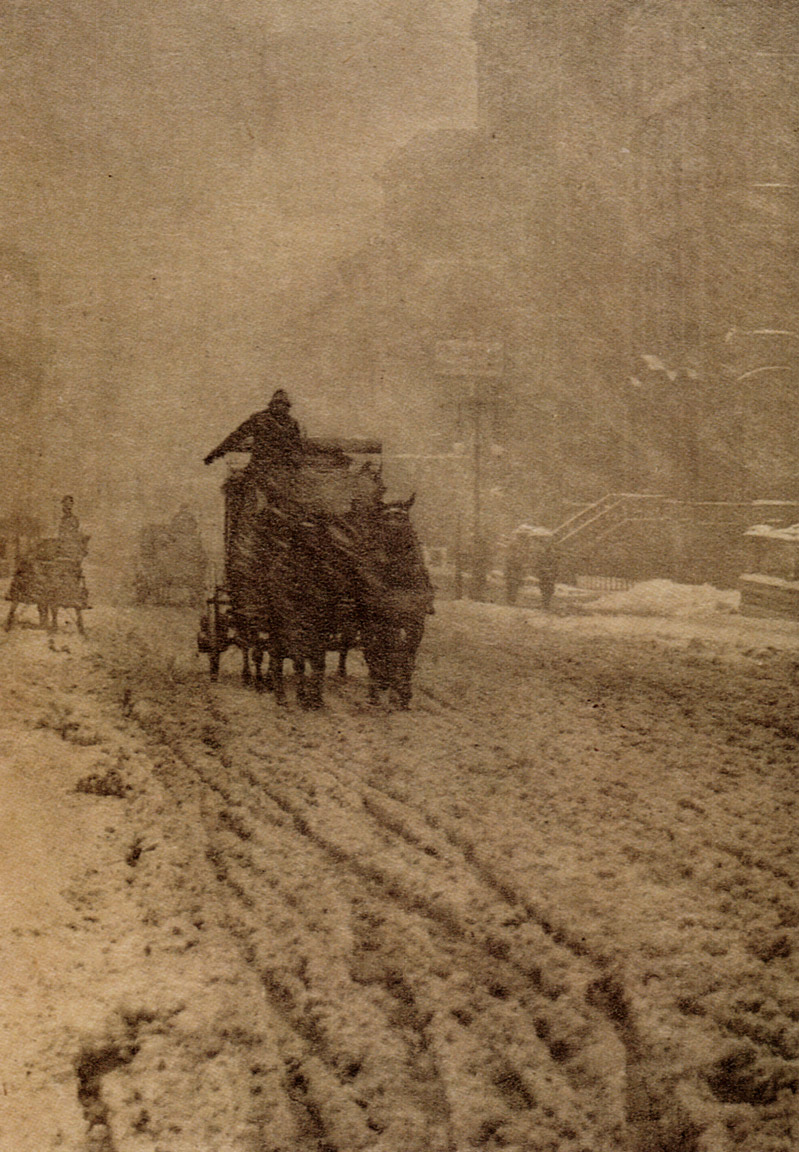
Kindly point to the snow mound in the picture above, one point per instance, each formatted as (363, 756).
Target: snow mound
(789, 533)
(665, 598)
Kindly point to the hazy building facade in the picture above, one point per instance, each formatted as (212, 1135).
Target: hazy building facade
(22, 367)
(621, 222)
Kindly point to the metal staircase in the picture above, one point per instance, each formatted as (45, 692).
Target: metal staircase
(590, 526)
(646, 534)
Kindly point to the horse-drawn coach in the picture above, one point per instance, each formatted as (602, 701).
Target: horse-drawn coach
(49, 573)
(316, 561)
(171, 563)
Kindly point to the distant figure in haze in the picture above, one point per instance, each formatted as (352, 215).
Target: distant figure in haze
(547, 573)
(482, 553)
(518, 560)
(272, 437)
(70, 541)
(69, 521)
(51, 576)
(531, 552)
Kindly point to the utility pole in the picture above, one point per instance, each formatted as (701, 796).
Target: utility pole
(478, 480)
(479, 550)
(472, 365)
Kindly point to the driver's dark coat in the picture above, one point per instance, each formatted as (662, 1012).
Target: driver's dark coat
(272, 438)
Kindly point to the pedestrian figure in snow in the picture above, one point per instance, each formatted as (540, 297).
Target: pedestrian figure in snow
(547, 572)
(70, 540)
(531, 552)
(517, 562)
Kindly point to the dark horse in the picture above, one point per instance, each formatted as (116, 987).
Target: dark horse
(395, 603)
(343, 637)
(303, 585)
(287, 604)
(390, 593)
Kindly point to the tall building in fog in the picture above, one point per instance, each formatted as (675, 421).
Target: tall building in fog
(622, 223)
(22, 368)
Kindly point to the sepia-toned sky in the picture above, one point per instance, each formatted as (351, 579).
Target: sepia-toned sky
(184, 173)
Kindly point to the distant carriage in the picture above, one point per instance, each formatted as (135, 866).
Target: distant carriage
(315, 562)
(51, 577)
(171, 563)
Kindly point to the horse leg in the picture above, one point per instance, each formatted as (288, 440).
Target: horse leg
(401, 680)
(348, 638)
(275, 675)
(378, 680)
(258, 664)
(409, 641)
(11, 614)
(315, 690)
(246, 674)
(375, 686)
(376, 646)
(371, 665)
(53, 627)
(301, 682)
(79, 621)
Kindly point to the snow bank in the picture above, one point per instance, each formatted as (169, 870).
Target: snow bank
(665, 598)
(791, 533)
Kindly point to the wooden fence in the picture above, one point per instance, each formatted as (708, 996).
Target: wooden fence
(604, 583)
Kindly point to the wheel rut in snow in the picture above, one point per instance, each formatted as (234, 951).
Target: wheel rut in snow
(406, 905)
(498, 965)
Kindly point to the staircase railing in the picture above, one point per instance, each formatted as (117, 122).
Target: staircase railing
(599, 519)
(588, 538)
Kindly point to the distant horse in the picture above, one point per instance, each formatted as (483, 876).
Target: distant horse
(51, 579)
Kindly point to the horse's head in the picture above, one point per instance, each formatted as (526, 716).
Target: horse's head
(405, 566)
(401, 505)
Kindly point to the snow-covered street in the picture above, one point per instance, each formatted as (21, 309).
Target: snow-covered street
(553, 906)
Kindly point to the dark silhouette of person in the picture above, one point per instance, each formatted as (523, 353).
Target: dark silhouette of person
(517, 564)
(547, 573)
(272, 437)
(71, 544)
(68, 528)
(482, 553)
